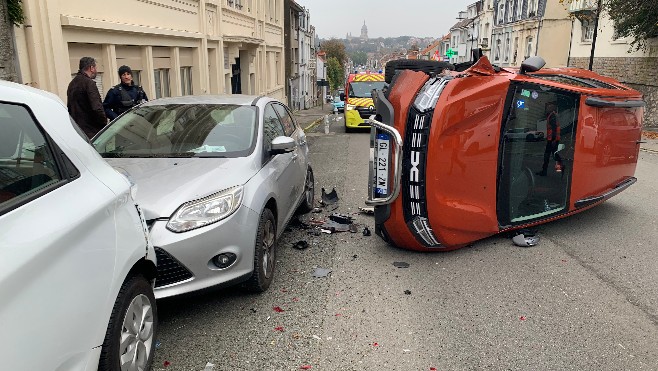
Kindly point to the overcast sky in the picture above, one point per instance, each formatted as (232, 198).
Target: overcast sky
(384, 18)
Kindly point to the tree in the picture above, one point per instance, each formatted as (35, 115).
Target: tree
(359, 58)
(11, 14)
(635, 18)
(335, 73)
(335, 48)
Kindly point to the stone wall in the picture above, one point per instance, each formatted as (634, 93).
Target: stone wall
(636, 72)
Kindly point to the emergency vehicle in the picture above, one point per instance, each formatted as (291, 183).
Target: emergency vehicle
(444, 171)
(359, 105)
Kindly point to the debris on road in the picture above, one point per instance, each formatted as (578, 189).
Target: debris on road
(370, 210)
(321, 272)
(401, 265)
(329, 198)
(341, 218)
(316, 210)
(209, 367)
(278, 309)
(366, 232)
(525, 238)
(301, 245)
(279, 328)
(407, 292)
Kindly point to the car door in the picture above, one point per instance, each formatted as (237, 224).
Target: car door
(57, 250)
(531, 185)
(293, 130)
(284, 167)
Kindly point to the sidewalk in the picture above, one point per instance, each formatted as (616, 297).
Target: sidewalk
(307, 118)
(650, 137)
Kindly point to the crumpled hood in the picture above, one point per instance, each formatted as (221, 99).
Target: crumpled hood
(163, 184)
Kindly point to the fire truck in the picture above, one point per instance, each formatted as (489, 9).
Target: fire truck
(359, 105)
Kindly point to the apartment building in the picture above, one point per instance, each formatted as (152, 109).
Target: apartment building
(613, 55)
(300, 60)
(174, 47)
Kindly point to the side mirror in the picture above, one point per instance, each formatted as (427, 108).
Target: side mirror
(532, 64)
(282, 144)
(342, 96)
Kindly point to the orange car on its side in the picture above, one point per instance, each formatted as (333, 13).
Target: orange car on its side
(444, 172)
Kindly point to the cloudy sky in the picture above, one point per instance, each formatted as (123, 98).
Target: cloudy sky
(384, 18)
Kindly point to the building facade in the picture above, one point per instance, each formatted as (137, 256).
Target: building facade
(300, 56)
(174, 47)
(614, 56)
(515, 30)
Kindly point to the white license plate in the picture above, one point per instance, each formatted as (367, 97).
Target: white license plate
(382, 159)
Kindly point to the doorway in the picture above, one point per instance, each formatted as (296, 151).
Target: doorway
(236, 81)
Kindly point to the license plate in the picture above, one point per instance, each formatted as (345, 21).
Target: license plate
(382, 159)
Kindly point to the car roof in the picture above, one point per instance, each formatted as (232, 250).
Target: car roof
(237, 99)
(17, 93)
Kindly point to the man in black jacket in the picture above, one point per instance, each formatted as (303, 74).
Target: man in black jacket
(123, 96)
(84, 99)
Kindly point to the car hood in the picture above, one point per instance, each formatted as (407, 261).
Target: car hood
(163, 184)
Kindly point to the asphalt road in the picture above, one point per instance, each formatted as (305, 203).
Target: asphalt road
(585, 298)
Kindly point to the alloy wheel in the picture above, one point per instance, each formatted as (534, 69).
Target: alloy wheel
(136, 335)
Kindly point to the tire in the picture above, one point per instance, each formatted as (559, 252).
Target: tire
(264, 254)
(134, 309)
(309, 193)
(429, 67)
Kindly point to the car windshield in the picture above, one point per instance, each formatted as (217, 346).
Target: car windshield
(181, 130)
(363, 89)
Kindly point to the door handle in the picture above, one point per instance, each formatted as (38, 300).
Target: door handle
(640, 141)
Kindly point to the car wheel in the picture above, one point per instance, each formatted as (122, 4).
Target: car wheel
(429, 67)
(130, 338)
(264, 255)
(309, 193)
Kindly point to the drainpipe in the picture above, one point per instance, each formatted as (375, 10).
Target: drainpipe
(596, 31)
(570, 43)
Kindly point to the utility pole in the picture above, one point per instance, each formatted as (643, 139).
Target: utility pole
(596, 31)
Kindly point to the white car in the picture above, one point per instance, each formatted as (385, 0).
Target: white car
(77, 269)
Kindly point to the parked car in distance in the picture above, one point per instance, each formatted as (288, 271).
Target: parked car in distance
(219, 177)
(77, 267)
(339, 105)
(523, 134)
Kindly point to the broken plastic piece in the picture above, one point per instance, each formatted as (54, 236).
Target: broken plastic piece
(407, 292)
(316, 210)
(301, 245)
(525, 240)
(321, 272)
(341, 218)
(370, 210)
(209, 367)
(401, 265)
(335, 227)
(353, 228)
(366, 231)
(329, 198)
(278, 309)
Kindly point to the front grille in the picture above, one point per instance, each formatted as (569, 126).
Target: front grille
(170, 270)
(365, 112)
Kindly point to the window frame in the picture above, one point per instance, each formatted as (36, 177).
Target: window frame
(68, 172)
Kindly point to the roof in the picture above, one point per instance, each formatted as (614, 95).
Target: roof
(432, 46)
(463, 23)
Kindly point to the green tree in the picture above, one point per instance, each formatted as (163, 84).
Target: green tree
(359, 57)
(335, 48)
(635, 18)
(335, 73)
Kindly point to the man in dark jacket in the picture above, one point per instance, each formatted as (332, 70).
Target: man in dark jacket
(84, 100)
(123, 96)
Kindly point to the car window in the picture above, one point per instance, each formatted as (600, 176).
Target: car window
(286, 119)
(181, 130)
(272, 127)
(27, 164)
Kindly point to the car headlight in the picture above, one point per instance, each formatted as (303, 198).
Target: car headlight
(208, 210)
(350, 107)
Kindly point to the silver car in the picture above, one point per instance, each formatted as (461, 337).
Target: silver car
(218, 178)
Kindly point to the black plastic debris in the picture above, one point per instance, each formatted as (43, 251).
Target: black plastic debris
(407, 292)
(341, 218)
(354, 257)
(301, 245)
(366, 232)
(321, 272)
(329, 198)
(334, 227)
(401, 265)
(370, 210)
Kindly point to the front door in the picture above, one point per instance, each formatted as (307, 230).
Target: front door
(536, 153)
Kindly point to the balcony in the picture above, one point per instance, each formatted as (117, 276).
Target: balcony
(584, 10)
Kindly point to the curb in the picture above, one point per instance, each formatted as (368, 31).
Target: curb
(652, 151)
(313, 124)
